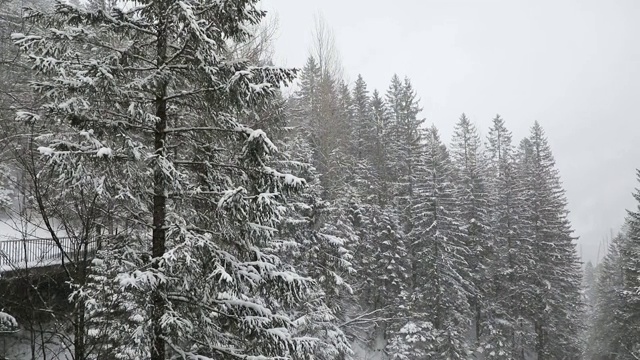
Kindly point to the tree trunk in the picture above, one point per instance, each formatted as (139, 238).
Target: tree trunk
(478, 316)
(540, 341)
(78, 336)
(159, 195)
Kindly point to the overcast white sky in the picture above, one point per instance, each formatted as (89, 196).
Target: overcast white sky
(573, 65)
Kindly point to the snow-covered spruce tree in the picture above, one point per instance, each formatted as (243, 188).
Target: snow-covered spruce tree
(555, 305)
(630, 260)
(314, 231)
(524, 338)
(320, 113)
(471, 197)
(382, 256)
(589, 284)
(150, 88)
(322, 107)
(320, 253)
(509, 262)
(614, 323)
(386, 268)
(607, 328)
(363, 142)
(305, 104)
(14, 78)
(404, 143)
(343, 175)
(439, 314)
(329, 131)
(363, 126)
(382, 154)
(589, 296)
(404, 149)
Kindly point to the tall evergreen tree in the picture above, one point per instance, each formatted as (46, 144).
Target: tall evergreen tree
(306, 106)
(439, 305)
(149, 105)
(363, 120)
(607, 325)
(506, 336)
(630, 260)
(320, 252)
(384, 255)
(589, 282)
(382, 153)
(555, 307)
(615, 314)
(405, 142)
(471, 198)
(150, 114)
(589, 296)
(363, 142)
(327, 130)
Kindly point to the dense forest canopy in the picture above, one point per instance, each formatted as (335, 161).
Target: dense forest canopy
(213, 217)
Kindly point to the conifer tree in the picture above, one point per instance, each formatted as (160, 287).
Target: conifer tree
(343, 170)
(630, 259)
(149, 105)
(404, 145)
(149, 112)
(363, 142)
(404, 142)
(306, 101)
(615, 313)
(384, 264)
(555, 278)
(607, 326)
(472, 201)
(363, 120)
(320, 252)
(589, 296)
(382, 154)
(505, 336)
(322, 106)
(524, 257)
(438, 302)
(589, 281)
(340, 204)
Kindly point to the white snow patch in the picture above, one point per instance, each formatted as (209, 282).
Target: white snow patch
(104, 152)
(7, 323)
(46, 151)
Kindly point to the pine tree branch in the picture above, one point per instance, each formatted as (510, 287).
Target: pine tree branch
(206, 163)
(362, 318)
(196, 129)
(189, 93)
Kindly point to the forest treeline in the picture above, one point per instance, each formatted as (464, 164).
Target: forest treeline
(612, 291)
(235, 222)
(464, 247)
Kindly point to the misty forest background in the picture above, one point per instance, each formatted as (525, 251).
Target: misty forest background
(246, 211)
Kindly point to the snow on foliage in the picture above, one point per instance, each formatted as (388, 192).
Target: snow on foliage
(196, 269)
(7, 323)
(360, 225)
(104, 152)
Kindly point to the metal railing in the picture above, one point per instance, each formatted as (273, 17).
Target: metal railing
(39, 252)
